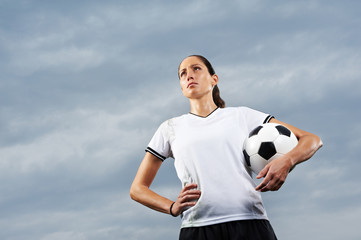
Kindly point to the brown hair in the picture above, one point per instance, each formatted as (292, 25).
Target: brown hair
(215, 93)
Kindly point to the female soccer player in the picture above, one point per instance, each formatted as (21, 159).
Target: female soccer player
(219, 199)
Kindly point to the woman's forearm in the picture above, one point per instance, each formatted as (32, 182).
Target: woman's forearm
(308, 144)
(305, 149)
(147, 197)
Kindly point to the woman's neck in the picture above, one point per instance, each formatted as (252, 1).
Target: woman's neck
(201, 108)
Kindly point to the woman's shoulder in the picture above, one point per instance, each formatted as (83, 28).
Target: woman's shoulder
(239, 111)
(174, 120)
(235, 109)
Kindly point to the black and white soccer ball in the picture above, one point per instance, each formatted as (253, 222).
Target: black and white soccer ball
(265, 143)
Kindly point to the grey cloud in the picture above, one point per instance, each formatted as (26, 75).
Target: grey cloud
(83, 87)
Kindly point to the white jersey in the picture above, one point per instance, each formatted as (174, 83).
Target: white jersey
(208, 151)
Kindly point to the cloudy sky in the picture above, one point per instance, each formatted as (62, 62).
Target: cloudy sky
(85, 84)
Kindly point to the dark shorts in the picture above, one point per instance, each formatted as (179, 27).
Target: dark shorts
(236, 230)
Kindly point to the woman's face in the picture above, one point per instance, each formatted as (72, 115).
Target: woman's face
(195, 79)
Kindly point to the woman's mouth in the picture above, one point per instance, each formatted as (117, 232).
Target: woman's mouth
(191, 84)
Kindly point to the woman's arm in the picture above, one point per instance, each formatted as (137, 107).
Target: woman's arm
(140, 192)
(275, 173)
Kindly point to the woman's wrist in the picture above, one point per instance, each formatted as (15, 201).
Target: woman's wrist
(170, 210)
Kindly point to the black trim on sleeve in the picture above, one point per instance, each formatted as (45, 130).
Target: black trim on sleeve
(268, 118)
(153, 152)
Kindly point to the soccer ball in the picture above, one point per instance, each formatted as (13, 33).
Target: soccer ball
(265, 143)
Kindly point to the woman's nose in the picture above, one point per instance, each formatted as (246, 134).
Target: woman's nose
(189, 75)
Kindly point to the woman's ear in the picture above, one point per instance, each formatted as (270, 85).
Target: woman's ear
(215, 79)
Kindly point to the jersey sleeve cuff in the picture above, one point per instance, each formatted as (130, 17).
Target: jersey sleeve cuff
(153, 152)
(268, 118)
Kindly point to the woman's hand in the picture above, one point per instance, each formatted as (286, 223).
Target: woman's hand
(188, 197)
(275, 174)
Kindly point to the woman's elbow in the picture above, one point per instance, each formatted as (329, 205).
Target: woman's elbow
(133, 192)
(137, 192)
(318, 142)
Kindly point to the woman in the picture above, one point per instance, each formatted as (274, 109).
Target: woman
(219, 199)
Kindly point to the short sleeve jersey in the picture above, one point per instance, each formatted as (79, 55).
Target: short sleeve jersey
(208, 151)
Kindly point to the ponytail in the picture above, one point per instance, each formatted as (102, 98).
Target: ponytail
(217, 98)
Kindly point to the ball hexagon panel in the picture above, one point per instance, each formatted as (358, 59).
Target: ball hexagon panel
(277, 155)
(268, 133)
(285, 144)
(252, 145)
(257, 163)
